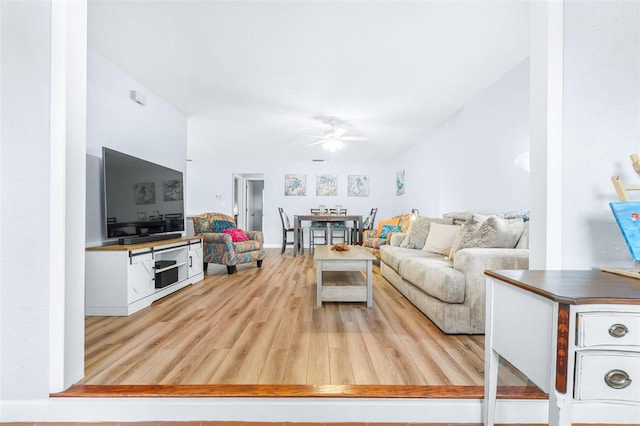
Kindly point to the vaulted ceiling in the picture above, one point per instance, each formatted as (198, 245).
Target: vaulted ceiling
(266, 75)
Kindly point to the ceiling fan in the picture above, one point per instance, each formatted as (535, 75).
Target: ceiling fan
(333, 139)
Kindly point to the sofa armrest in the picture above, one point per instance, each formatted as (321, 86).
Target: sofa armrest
(477, 260)
(397, 238)
(369, 234)
(218, 239)
(472, 262)
(255, 235)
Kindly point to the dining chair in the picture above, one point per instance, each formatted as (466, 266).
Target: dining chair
(367, 223)
(318, 229)
(286, 229)
(340, 229)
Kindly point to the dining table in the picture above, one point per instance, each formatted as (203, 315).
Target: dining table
(328, 218)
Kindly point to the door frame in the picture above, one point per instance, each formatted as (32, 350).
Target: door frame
(240, 194)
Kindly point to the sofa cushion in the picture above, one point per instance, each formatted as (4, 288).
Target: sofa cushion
(393, 221)
(496, 232)
(471, 222)
(374, 243)
(220, 225)
(435, 276)
(468, 218)
(388, 229)
(441, 238)
(237, 235)
(523, 242)
(392, 256)
(419, 230)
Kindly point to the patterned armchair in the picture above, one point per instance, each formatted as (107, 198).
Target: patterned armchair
(220, 248)
(372, 240)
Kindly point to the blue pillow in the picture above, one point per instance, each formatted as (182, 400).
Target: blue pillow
(387, 229)
(220, 225)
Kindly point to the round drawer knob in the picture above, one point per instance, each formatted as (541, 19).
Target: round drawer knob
(617, 379)
(618, 330)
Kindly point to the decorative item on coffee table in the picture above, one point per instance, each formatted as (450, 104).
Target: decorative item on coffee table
(340, 247)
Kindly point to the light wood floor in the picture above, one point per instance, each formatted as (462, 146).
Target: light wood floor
(261, 326)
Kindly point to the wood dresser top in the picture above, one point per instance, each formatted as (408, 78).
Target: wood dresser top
(575, 287)
(127, 247)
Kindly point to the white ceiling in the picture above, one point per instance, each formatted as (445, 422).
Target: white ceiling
(262, 74)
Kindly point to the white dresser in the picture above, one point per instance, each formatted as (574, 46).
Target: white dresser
(575, 334)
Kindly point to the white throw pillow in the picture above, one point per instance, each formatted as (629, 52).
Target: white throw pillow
(419, 229)
(441, 238)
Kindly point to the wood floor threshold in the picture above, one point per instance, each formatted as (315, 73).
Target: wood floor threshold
(297, 391)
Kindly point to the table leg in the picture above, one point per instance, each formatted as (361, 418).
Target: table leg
(491, 359)
(296, 235)
(490, 387)
(319, 284)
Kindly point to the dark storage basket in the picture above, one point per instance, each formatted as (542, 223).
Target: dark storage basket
(167, 277)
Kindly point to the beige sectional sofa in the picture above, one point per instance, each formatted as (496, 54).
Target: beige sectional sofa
(449, 286)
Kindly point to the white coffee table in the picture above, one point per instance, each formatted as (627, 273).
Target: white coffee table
(356, 259)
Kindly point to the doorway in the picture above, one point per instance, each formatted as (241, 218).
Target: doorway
(248, 201)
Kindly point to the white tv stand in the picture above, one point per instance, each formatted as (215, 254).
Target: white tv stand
(120, 279)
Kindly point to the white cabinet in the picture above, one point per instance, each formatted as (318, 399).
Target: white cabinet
(195, 265)
(122, 279)
(575, 334)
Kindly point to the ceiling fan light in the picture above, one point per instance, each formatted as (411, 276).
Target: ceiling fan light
(339, 132)
(333, 145)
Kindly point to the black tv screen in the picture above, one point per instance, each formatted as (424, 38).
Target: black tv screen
(140, 197)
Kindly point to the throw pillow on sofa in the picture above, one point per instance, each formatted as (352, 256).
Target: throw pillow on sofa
(419, 230)
(387, 229)
(496, 232)
(441, 238)
(394, 221)
(471, 222)
(219, 226)
(237, 235)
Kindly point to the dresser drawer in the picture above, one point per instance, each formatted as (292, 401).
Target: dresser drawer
(607, 375)
(608, 328)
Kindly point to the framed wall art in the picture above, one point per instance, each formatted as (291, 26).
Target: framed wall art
(400, 182)
(295, 185)
(327, 185)
(358, 185)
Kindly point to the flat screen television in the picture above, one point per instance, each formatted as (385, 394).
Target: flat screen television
(141, 198)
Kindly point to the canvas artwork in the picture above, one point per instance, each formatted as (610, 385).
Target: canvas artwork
(145, 193)
(295, 185)
(627, 216)
(358, 186)
(327, 185)
(400, 182)
(172, 190)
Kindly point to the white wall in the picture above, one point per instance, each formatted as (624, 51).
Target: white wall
(209, 188)
(24, 176)
(464, 165)
(467, 163)
(42, 197)
(156, 132)
(601, 127)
